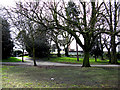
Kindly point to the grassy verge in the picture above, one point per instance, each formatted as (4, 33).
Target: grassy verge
(59, 77)
(12, 59)
(74, 60)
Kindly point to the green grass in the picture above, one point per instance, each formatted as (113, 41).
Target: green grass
(27, 56)
(74, 60)
(64, 77)
(12, 59)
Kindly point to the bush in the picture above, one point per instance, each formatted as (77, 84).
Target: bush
(17, 53)
(118, 55)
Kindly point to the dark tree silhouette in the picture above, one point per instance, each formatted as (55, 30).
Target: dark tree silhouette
(7, 44)
(96, 49)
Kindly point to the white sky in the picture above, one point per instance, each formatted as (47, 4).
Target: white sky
(7, 2)
(12, 2)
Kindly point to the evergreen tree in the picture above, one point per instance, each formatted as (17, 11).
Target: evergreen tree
(7, 44)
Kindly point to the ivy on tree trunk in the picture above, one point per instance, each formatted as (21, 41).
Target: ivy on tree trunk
(66, 52)
(86, 59)
(34, 57)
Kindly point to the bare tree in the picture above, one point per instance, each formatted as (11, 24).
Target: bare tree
(54, 36)
(20, 42)
(112, 16)
(24, 27)
(85, 25)
(107, 44)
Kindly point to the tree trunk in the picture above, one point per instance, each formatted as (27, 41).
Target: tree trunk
(86, 59)
(23, 56)
(77, 52)
(109, 55)
(101, 47)
(34, 57)
(113, 44)
(95, 58)
(113, 51)
(102, 57)
(58, 51)
(66, 52)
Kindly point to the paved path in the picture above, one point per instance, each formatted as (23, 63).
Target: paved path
(47, 63)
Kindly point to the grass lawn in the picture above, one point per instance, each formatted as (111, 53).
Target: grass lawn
(74, 60)
(12, 59)
(61, 59)
(59, 77)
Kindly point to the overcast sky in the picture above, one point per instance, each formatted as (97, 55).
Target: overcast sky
(12, 2)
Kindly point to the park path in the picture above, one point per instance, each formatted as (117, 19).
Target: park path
(47, 63)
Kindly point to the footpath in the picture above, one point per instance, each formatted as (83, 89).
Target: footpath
(47, 63)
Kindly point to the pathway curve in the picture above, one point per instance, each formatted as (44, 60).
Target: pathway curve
(47, 63)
